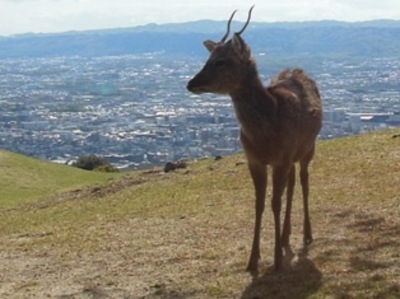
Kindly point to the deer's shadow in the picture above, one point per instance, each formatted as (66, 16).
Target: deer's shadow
(299, 279)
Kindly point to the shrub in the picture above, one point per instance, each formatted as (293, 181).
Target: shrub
(93, 162)
(170, 166)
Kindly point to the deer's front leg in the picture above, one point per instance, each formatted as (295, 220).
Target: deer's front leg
(258, 173)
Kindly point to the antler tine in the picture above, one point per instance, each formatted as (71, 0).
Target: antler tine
(229, 27)
(247, 22)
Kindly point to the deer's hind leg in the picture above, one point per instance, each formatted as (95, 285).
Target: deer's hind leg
(279, 180)
(289, 199)
(304, 178)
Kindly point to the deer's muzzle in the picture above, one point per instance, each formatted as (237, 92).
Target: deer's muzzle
(194, 87)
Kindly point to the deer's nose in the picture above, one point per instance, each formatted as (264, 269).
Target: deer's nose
(191, 86)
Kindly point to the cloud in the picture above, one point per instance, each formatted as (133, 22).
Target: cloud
(17, 16)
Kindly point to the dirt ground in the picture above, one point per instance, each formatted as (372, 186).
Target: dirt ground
(356, 251)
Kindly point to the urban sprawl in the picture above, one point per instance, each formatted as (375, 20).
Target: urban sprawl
(135, 110)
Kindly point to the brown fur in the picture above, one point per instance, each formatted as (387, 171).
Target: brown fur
(279, 125)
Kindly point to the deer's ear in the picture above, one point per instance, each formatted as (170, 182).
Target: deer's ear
(240, 47)
(210, 45)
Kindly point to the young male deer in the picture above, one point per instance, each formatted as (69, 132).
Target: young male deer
(278, 127)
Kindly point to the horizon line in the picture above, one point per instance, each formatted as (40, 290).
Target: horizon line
(153, 24)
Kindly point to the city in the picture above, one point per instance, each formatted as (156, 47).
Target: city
(135, 111)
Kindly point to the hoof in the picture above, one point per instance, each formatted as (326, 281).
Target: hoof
(308, 240)
(252, 268)
(278, 267)
(285, 241)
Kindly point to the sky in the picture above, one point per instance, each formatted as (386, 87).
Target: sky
(44, 16)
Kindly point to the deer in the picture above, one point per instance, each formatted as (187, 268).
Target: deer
(279, 125)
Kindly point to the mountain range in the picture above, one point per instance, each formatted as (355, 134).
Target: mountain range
(380, 38)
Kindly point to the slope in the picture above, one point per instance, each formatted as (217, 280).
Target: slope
(187, 234)
(24, 179)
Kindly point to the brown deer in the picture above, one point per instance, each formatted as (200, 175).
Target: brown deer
(278, 127)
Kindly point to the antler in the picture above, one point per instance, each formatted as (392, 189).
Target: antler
(229, 27)
(247, 22)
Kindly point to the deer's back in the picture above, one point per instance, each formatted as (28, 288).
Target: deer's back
(299, 109)
(297, 97)
(292, 130)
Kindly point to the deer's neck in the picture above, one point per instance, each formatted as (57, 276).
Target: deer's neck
(255, 107)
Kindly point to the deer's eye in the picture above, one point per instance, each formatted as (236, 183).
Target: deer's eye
(220, 63)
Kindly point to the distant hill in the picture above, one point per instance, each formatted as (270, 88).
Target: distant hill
(379, 38)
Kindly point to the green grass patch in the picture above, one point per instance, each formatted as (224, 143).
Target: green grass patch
(24, 179)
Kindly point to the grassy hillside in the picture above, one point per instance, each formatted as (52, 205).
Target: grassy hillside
(24, 179)
(188, 234)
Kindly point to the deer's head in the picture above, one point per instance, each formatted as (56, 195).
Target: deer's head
(224, 68)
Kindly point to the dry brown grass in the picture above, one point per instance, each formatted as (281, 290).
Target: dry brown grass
(187, 234)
